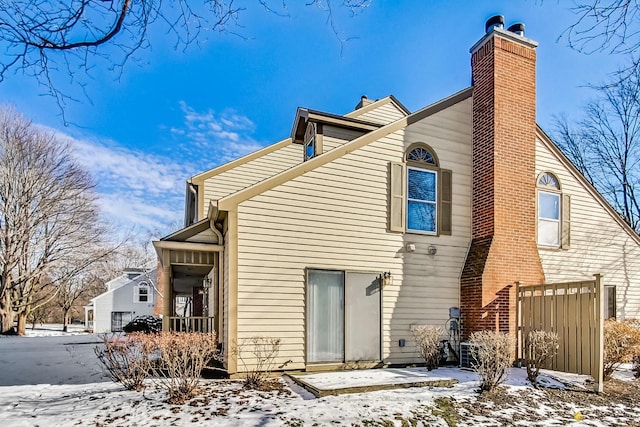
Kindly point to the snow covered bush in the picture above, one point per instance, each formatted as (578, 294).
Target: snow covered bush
(182, 357)
(257, 355)
(491, 352)
(539, 347)
(427, 339)
(621, 343)
(126, 359)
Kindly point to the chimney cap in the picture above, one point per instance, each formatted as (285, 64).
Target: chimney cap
(494, 21)
(517, 28)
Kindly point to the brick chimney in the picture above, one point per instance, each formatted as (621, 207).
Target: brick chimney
(503, 249)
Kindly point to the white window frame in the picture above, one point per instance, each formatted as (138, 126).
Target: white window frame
(557, 221)
(434, 202)
(136, 293)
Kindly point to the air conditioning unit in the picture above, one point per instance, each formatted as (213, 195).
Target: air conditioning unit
(466, 360)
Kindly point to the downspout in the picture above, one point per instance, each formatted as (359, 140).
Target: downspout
(191, 208)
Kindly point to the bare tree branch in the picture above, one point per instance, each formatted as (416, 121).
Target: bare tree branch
(52, 39)
(605, 144)
(606, 26)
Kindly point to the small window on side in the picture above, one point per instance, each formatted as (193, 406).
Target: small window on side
(609, 302)
(310, 142)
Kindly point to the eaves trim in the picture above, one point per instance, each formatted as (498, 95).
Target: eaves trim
(201, 177)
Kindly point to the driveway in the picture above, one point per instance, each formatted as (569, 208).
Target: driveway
(49, 360)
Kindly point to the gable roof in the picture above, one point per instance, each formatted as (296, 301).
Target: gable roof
(305, 115)
(229, 202)
(190, 233)
(568, 164)
(377, 104)
(140, 278)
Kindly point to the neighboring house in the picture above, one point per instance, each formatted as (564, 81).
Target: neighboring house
(131, 294)
(340, 238)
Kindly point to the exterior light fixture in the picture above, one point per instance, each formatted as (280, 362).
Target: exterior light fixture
(385, 279)
(432, 250)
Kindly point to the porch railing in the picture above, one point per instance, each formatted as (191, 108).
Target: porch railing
(191, 324)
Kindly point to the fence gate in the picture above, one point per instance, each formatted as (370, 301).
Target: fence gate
(575, 312)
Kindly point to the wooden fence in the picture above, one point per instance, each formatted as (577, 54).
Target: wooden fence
(575, 312)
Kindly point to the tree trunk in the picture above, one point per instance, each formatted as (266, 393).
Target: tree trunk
(65, 320)
(6, 314)
(22, 323)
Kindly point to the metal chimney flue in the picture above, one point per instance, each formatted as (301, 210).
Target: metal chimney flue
(517, 29)
(494, 21)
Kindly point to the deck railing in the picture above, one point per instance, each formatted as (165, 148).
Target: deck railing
(202, 324)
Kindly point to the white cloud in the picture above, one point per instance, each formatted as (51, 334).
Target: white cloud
(136, 190)
(215, 138)
(139, 190)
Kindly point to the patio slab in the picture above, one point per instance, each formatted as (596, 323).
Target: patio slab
(361, 381)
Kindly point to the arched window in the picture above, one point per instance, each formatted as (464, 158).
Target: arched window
(422, 189)
(553, 212)
(420, 193)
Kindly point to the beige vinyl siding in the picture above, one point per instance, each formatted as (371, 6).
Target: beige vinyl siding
(249, 173)
(334, 136)
(384, 114)
(598, 243)
(335, 217)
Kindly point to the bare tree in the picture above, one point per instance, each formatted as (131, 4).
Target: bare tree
(74, 290)
(48, 217)
(605, 145)
(44, 37)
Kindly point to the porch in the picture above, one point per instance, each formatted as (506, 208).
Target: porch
(190, 279)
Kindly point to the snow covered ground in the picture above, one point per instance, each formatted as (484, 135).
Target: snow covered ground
(55, 381)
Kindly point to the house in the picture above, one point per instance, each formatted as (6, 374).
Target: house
(129, 295)
(341, 237)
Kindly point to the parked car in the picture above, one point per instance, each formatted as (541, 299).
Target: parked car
(146, 324)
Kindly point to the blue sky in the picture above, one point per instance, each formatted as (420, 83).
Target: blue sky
(174, 113)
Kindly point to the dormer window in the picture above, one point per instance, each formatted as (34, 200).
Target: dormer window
(312, 140)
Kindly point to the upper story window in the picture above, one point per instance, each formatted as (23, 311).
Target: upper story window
(553, 213)
(310, 142)
(420, 199)
(141, 293)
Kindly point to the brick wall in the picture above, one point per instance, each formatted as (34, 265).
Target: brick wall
(158, 307)
(503, 249)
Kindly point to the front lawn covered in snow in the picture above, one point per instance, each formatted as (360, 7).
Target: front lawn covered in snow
(55, 381)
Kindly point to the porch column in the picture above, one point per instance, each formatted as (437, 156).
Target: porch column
(167, 296)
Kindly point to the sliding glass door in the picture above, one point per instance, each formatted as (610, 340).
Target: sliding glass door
(325, 316)
(343, 316)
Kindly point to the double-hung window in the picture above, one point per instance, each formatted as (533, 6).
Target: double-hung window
(141, 293)
(422, 201)
(553, 213)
